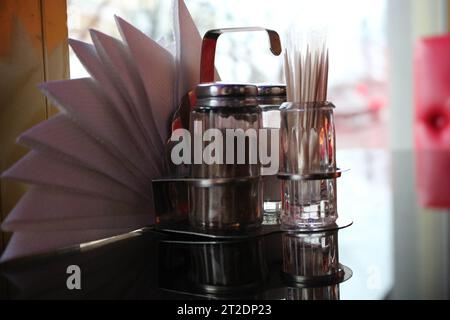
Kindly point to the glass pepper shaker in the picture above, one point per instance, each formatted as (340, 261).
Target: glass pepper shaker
(308, 165)
(229, 196)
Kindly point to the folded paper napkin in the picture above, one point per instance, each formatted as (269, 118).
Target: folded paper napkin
(90, 167)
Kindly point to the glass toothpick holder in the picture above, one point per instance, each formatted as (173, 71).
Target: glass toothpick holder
(307, 165)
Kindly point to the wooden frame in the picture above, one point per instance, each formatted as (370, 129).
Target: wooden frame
(33, 49)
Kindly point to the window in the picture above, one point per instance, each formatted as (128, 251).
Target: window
(356, 38)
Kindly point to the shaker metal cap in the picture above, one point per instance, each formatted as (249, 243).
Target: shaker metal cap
(267, 89)
(225, 90)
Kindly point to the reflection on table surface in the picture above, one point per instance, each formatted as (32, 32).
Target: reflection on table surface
(395, 249)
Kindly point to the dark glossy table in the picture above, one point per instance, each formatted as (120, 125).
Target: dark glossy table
(395, 249)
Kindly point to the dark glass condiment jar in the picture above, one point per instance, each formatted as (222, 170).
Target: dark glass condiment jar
(227, 193)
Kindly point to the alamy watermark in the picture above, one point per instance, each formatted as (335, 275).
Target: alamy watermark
(73, 281)
(227, 146)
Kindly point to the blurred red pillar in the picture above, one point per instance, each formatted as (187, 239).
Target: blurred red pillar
(432, 120)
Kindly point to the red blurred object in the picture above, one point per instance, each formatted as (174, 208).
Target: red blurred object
(432, 120)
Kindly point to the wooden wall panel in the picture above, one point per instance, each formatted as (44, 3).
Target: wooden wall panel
(56, 50)
(33, 49)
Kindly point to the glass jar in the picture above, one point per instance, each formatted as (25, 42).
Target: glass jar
(270, 97)
(232, 196)
(307, 164)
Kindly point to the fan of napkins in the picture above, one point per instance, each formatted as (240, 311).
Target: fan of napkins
(90, 167)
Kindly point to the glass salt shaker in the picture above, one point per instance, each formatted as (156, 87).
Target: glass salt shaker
(270, 97)
(229, 194)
